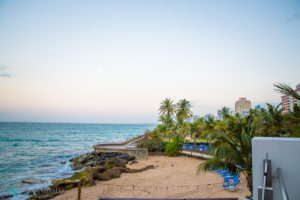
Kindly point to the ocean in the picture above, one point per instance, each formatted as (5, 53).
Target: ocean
(38, 150)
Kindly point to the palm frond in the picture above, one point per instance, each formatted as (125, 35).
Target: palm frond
(286, 89)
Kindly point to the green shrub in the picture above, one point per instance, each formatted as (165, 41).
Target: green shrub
(153, 145)
(172, 148)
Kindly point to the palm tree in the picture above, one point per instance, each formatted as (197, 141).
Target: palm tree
(167, 110)
(232, 148)
(183, 110)
(197, 128)
(292, 121)
(287, 90)
(209, 126)
(224, 112)
(271, 121)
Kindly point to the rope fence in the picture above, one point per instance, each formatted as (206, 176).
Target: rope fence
(122, 187)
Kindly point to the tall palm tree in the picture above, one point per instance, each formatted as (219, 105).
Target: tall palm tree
(271, 121)
(224, 112)
(167, 110)
(196, 128)
(292, 121)
(209, 126)
(183, 110)
(232, 148)
(285, 89)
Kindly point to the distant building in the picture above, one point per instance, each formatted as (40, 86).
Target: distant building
(242, 106)
(288, 101)
(258, 108)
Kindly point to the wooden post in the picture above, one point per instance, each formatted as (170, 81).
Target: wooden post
(79, 190)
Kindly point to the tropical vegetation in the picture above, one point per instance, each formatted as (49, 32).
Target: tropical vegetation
(230, 135)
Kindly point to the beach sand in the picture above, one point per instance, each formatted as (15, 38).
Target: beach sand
(173, 177)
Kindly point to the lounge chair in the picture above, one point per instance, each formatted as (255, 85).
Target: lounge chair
(231, 178)
(217, 168)
(221, 170)
(232, 187)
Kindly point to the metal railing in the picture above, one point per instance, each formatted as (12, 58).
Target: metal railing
(265, 192)
(282, 187)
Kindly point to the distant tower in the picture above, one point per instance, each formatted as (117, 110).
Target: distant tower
(242, 106)
(288, 101)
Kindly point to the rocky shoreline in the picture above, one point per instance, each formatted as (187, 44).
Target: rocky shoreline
(95, 167)
(88, 168)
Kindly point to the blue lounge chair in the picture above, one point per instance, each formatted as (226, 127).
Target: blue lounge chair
(217, 168)
(222, 170)
(228, 174)
(231, 181)
(230, 178)
(232, 187)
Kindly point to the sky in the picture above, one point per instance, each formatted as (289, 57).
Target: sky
(115, 61)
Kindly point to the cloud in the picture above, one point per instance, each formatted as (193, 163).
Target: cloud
(293, 18)
(2, 73)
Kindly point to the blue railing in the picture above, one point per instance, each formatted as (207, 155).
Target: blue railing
(197, 148)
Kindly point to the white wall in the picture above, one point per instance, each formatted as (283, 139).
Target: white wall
(283, 153)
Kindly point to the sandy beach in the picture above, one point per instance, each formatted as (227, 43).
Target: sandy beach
(173, 177)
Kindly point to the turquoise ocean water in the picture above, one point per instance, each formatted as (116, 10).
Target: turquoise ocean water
(36, 150)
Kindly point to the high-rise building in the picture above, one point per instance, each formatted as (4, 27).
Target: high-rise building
(288, 101)
(242, 106)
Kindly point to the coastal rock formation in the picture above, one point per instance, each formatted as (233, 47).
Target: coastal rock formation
(114, 162)
(109, 174)
(101, 166)
(86, 178)
(46, 196)
(32, 181)
(99, 159)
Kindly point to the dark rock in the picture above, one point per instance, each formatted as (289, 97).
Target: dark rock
(133, 162)
(124, 156)
(128, 170)
(46, 196)
(86, 177)
(83, 160)
(114, 162)
(110, 174)
(98, 159)
(32, 181)
(6, 196)
(131, 158)
(63, 162)
(76, 167)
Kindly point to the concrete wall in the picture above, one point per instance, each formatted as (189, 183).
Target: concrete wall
(140, 154)
(283, 153)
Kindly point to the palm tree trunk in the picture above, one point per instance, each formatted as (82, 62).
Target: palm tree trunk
(249, 181)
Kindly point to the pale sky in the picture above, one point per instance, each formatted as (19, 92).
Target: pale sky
(115, 61)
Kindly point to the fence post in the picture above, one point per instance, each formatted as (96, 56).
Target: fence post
(79, 190)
